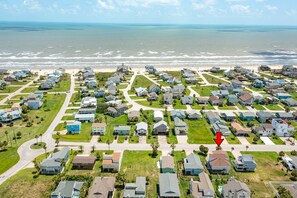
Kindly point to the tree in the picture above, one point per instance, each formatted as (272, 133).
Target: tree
(36, 137)
(44, 147)
(246, 147)
(19, 134)
(172, 146)
(93, 148)
(281, 153)
(7, 138)
(203, 149)
(40, 135)
(155, 146)
(232, 149)
(255, 139)
(57, 141)
(121, 178)
(108, 142)
(36, 165)
(81, 148)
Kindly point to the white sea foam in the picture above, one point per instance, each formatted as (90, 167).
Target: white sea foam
(153, 52)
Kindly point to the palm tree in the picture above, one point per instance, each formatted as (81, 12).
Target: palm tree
(108, 142)
(40, 135)
(232, 149)
(81, 148)
(36, 137)
(93, 148)
(44, 147)
(6, 133)
(57, 141)
(155, 146)
(121, 177)
(246, 147)
(172, 146)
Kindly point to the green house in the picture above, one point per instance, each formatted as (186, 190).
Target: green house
(247, 116)
(167, 164)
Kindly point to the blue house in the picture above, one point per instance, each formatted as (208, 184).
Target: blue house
(282, 96)
(193, 165)
(99, 93)
(122, 130)
(258, 83)
(247, 116)
(74, 127)
(279, 81)
(154, 88)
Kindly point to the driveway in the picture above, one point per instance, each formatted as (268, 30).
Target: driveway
(266, 140)
(162, 139)
(243, 141)
(142, 139)
(182, 139)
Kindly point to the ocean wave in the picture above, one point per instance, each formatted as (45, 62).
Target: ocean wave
(153, 52)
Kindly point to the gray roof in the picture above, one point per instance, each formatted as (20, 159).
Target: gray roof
(125, 128)
(285, 114)
(66, 188)
(162, 122)
(211, 115)
(168, 185)
(101, 187)
(135, 190)
(141, 125)
(179, 123)
(247, 158)
(248, 114)
(192, 161)
(56, 158)
(236, 188)
(265, 114)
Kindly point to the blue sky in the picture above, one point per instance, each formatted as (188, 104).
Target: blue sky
(244, 12)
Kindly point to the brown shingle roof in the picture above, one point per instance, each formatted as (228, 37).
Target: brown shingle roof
(98, 125)
(246, 97)
(84, 160)
(101, 187)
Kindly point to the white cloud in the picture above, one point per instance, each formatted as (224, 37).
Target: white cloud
(106, 4)
(260, 0)
(199, 5)
(32, 4)
(271, 8)
(240, 8)
(291, 12)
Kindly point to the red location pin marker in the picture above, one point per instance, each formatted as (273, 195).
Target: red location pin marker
(218, 140)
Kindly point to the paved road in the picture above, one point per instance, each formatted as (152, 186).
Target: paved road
(26, 154)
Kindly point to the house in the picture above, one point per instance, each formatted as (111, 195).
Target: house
(112, 89)
(135, 190)
(173, 80)
(264, 116)
(187, 100)
(166, 89)
(111, 163)
(212, 117)
(89, 102)
(180, 127)
(194, 115)
(258, 83)
(141, 128)
(154, 88)
(160, 128)
(218, 162)
(264, 68)
(158, 116)
(178, 90)
(290, 102)
(215, 101)
(8, 115)
(67, 189)
(202, 188)
(168, 98)
(215, 69)
(85, 117)
(235, 188)
(73, 127)
(33, 101)
(167, 164)
(83, 162)
(228, 115)
(152, 96)
(202, 100)
(192, 165)
(191, 80)
(91, 110)
(264, 130)
(121, 130)
(99, 93)
(118, 110)
(133, 116)
(220, 93)
(54, 164)
(98, 128)
(112, 112)
(178, 114)
(244, 163)
(283, 96)
(102, 187)
(239, 130)
(168, 185)
(92, 84)
(140, 91)
(247, 116)
(282, 128)
(220, 126)
(232, 100)
(246, 99)
(236, 84)
(284, 115)
(150, 69)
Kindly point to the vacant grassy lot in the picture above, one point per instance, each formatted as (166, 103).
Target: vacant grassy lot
(199, 132)
(42, 118)
(29, 90)
(3, 96)
(140, 163)
(102, 78)
(8, 159)
(155, 104)
(258, 107)
(63, 85)
(9, 89)
(24, 185)
(205, 90)
(276, 140)
(251, 141)
(214, 80)
(141, 81)
(274, 107)
(171, 138)
(232, 139)
(122, 86)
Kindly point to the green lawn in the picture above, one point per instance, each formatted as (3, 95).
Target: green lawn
(232, 139)
(9, 89)
(121, 139)
(205, 90)
(250, 139)
(199, 132)
(63, 85)
(71, 110)
(102, 77)
(22, 82)
(214, 80)
(179, 105)
(274, 107)
(84, 136)
(225, 107)
(60, 127)
(140, 163)
(141, 81)
(241, 107)
(29, 90)
(258, 107)
(75, 98)
(199, 107)
(276, 140)
(155, 104)
(42, 118)
(68, 117)
(19, 96)
(24, 185)
(38, 145)
(171, 138)
(3, 96)
(122, 86)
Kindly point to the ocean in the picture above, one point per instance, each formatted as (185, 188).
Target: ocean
(48, 45)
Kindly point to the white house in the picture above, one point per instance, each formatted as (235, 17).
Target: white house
(89, 102)
(282, 128)
(141, 128)
(158, 116)
(98, 128)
